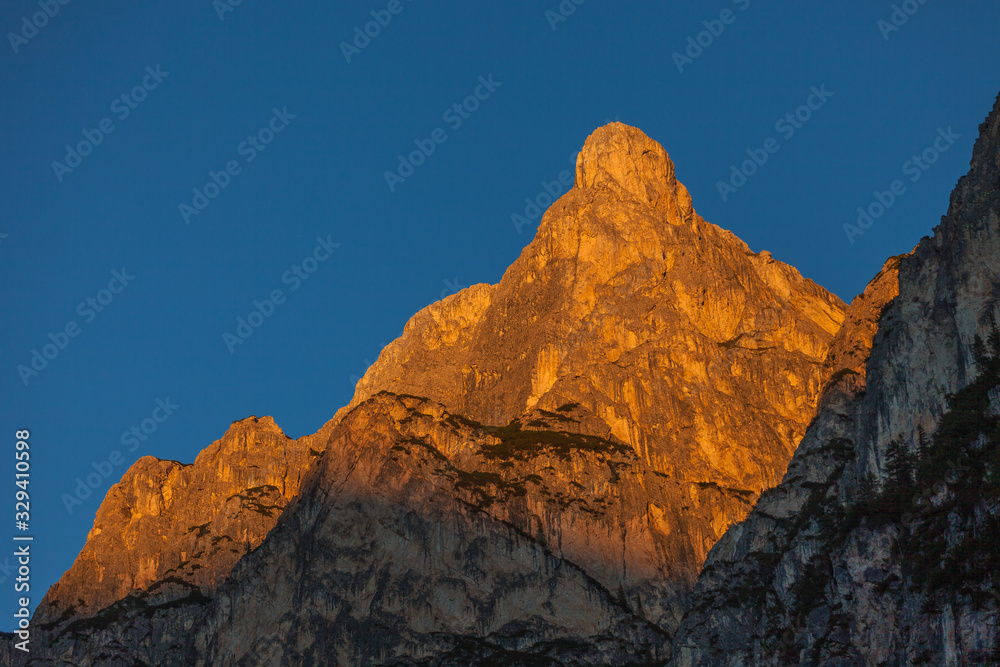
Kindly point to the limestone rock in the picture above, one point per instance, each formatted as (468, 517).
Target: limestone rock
(828, 569)
(536, 470)
(702, 356)
(173, 531)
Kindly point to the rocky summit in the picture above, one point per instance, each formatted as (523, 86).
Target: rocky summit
(591, 463)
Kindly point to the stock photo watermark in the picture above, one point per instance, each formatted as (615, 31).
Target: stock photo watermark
(786, 126)
(454, 116)
(552, 190)
(899, 17)
(450, 287)
(130, 440)
(363, 36)
(88, 310)
(223, 7)
(249, 149)
(562, 12)
(537, 205)
(913, 168)
(367, 363)
(31, 25)
(122, 107)
(293, 277)
(22, 521)
(696, 44)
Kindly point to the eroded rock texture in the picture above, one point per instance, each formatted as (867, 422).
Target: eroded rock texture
(673, 337)
(845, 562)
(536, 470)
(166, 522)
(165, 537)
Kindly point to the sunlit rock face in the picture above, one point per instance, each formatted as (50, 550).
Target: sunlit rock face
(421, 531)
(828, 569)
(535, 470)
(675, 338)
(171, 532)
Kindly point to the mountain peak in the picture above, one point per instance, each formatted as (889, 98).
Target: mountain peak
(623, 159)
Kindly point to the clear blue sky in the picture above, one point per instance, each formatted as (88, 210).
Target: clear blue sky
(450, 222)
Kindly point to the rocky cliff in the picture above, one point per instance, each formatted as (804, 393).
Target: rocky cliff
(533, 473)
(167, 524)
(879, 546)
(671, 335)
(167, 535)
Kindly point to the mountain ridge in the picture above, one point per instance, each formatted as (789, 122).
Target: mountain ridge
(607, 417)
(852, 557)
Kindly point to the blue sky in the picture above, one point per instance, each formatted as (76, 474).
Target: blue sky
(215, 86)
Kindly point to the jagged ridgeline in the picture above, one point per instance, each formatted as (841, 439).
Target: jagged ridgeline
(880, 545)
(535, 472)
(938, 501)
(534, 468)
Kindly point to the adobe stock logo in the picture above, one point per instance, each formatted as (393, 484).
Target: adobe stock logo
(88, 309)
(222, 7)
(787, 126)
(293, 277)
(122, 106)
(899, 17)
(714, 28)
(130, 439)
(915, 168)
(550, 192)
(30, 27)
(363, 37)
(565, 9)
(218, 181)
(353, 379)
(454, 116)
(451, 287)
